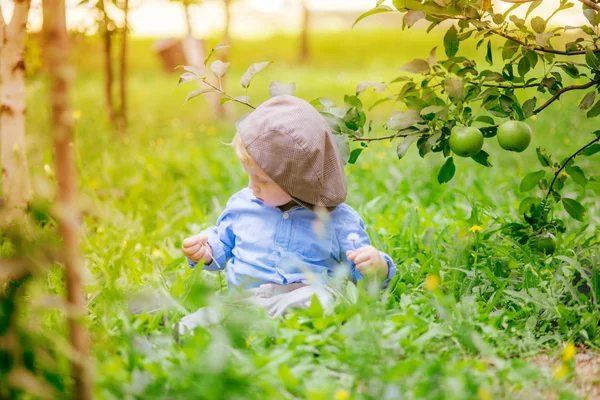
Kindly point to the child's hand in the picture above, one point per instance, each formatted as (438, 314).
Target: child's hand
(368, 261)
(196, 248)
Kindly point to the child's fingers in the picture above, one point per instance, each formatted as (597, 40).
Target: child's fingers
(362, 257)
(192, 249)
(364, 267)
(191, 241)
(194, 240)
(197, 256)
(351, 254)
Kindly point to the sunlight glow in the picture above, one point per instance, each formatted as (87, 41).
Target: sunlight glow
(267, 5)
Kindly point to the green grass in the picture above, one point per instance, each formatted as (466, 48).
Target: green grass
(497, 303)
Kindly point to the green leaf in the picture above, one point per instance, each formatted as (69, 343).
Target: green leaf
(354, 155)
(588, 100)
(594, 185)
(531, 180)
(528, 204)
(219, 68)
(524, 66)
(570, 69)
(417, 66)
(532, 57)
(353, 101)
(404, 146)
(377, 87)
(343, 147)
(213, 51)
(447, 171)
(451, 42)
(187, 77)
(315, 309)
(454, 88)
(509, 50)
(590, 151)
(482, 158)
(432, 110)
(543, 158)
(278, 89)
(243, 99)
(594, 111)
(529, 107)
(538, 24)
(488, 55)
(373, 11)
(574, 208)
(196, 93)
(532, 7)
(252, 71)
(577, 174)
(402, 120)
(591, 59)
(485, 119)
(412, 17)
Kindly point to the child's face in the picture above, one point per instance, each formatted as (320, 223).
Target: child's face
(264, 188)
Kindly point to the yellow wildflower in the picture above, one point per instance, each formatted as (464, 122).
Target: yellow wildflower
(432, 281)
(475, 228)
(157, 253)
(560, 372)
(249, 340)
(342, 394)
(569, 352)
(76, 115)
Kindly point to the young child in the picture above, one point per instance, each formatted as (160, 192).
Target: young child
(290, 225)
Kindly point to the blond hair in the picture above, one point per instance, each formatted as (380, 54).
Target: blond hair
(241, 151)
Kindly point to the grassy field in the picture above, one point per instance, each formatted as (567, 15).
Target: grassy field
(478, 333)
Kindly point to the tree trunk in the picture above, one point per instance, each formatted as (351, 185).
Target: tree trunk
(108, 70)
(188, 19)
(123, 70)
(56, 46)
(304, 34)
(15, 171)
(226, 33)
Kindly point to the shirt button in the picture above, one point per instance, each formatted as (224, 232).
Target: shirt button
(286, 215)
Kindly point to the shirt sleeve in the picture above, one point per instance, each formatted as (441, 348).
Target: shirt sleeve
(221, 240)
(351, 234)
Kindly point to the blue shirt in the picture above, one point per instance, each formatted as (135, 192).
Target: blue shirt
(262, 244)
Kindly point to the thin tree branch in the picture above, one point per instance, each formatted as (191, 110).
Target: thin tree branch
(394, 136)
(227, 94)
(563, 90)
(537, 47)
(567, 163)
(516, 40)
(591, 4)
(509, 86)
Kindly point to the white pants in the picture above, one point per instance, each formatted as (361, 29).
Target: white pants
(275, 299)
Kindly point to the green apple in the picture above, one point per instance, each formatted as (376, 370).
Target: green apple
(466, 141)
(514, 135)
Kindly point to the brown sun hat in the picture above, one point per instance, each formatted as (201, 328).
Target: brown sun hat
(293, 144)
